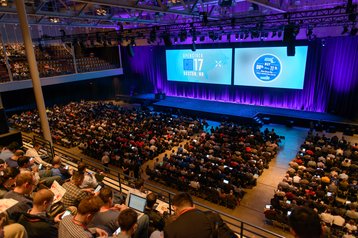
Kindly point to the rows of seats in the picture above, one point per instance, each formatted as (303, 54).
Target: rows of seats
(323, 176)
(53, 60)
(217, 166)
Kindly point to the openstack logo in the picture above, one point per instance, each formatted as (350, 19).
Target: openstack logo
(267, 67)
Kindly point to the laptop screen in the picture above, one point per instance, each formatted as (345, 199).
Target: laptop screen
(136, 202)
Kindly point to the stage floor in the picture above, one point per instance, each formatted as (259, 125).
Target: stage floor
(246, 111)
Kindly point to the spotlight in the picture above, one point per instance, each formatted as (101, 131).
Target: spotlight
(183, 35)
(228, 37)
(213, 36)
(175, 40)
(246, 35)
(132, 43)
(279, 34)
(205, 18)
(353, 31)
(3, 3)
(54, 20)
(274, 33)
(101, 12)
(345, 30)
(323, 42)
(242, 36)
(202, 38)
(195, 38)
(236, 36)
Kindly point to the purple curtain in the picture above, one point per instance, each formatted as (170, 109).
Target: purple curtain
(331, 80)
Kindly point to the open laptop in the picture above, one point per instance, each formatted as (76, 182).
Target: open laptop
(137, 203)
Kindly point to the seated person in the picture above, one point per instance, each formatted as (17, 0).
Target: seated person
(127, 221)
(107, 217)
(74, 194)
(36, 221)
(156, 220)
(59, 170)
(137, 190)
(305, 223)
(34, 153)
(89, 180)
(76, 226)
(7, 180)
(25, 184)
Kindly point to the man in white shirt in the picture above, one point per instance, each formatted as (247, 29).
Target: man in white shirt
(34, 153)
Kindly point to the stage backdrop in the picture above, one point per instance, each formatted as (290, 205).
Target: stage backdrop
(331, 80)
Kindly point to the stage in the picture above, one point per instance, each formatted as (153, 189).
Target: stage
(216, 110)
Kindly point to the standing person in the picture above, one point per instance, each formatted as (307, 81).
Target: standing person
(305, 223)
(106, 161)
(188, 221)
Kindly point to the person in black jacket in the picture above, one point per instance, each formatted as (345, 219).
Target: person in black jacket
(187, 221)
(36, 222)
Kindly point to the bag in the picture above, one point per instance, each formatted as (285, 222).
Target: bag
(220, 229)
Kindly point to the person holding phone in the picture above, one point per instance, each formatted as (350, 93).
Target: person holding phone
(106, 218)
(77, 226)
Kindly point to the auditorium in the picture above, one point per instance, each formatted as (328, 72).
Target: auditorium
(178, 118)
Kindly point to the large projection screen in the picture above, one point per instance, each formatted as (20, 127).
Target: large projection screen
(212, 66)
(270, 67)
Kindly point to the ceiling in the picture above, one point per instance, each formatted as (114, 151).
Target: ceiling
(174, 15)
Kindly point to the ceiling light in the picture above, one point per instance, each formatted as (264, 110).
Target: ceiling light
(345, 30)
(3, 3)
(101, 12)
(354, 31)
(54, 20)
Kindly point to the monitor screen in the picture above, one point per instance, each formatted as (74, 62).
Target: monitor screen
(211, 66)
(270, 67)
(136, 202)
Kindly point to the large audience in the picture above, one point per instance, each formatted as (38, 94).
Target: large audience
(218, 165)
(323, 176)
(52, 60)
(105, 131)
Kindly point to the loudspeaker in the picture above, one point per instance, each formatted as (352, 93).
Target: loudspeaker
(225, 3)
(291, 49)
(130, 50)
(4, 128)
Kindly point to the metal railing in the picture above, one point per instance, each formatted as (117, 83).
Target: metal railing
(122, 183)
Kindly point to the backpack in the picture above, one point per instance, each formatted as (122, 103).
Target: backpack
(219, 227)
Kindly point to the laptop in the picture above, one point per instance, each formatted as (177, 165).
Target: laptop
(137, 203)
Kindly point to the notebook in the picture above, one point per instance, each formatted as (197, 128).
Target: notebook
(137, 203)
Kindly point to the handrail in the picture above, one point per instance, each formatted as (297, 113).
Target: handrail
(242, 228)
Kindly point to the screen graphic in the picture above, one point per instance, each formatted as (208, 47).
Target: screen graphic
(270, 67)
(201, 66)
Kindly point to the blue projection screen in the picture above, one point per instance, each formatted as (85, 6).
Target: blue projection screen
(270, 67)
(201, 66)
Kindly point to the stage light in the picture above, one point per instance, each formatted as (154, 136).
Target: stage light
(213, 35)
(345, 30)
(236, 36)
(309, 33)
(132, 43)
(323, 42)
(101, 12)
(175, 40)
(153, 35)
(54, 19)
(354, 31)
(183, 35)
(242, 35)
(279, 34)
(202, 38)
(274, 33)
(228, 37)
(246, 35)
